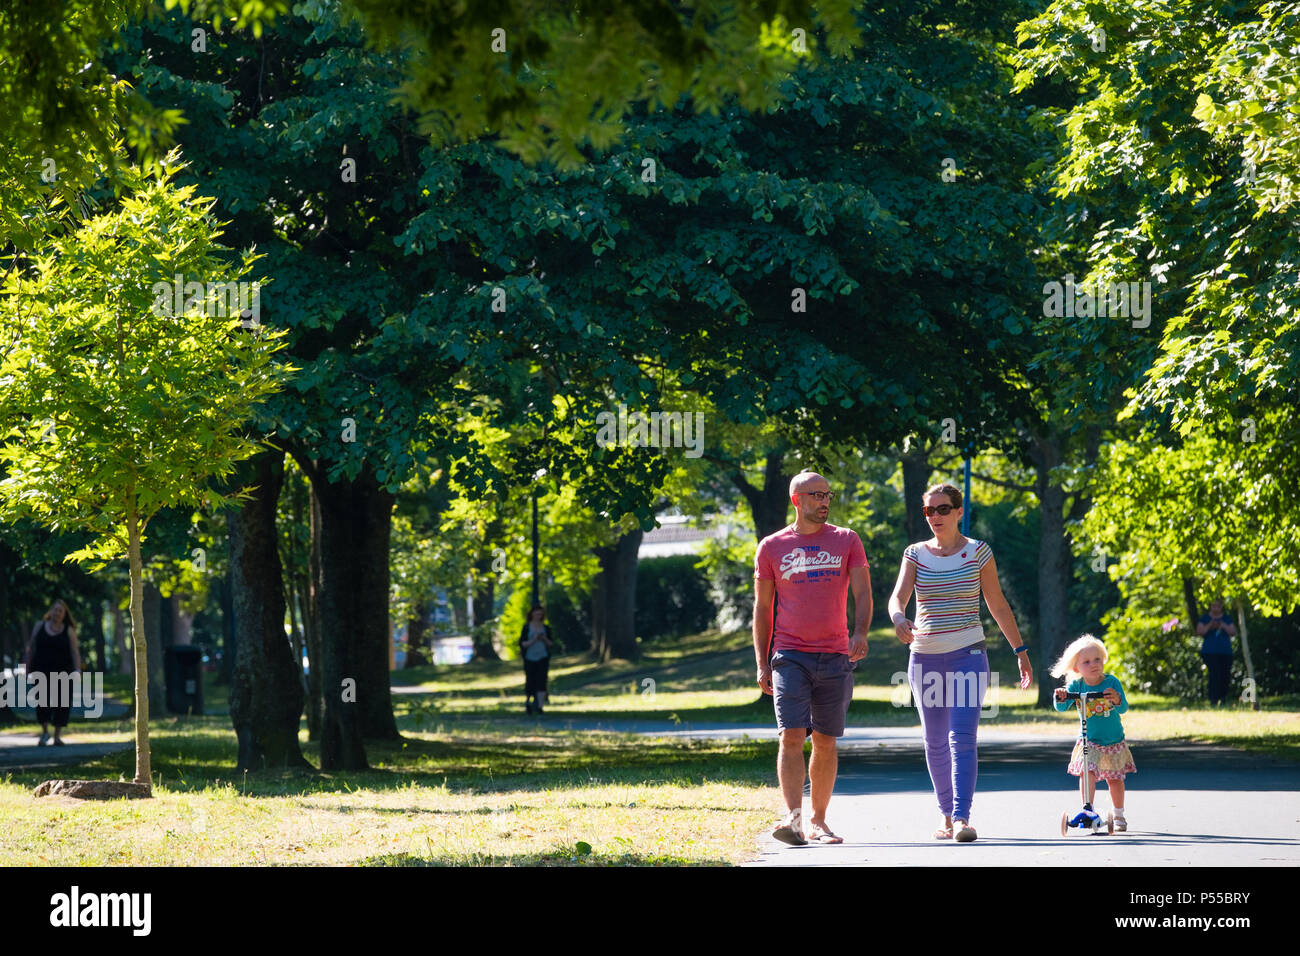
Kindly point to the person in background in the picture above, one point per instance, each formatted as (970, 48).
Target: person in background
(53, 650)
(535, 642)
(1216, 650)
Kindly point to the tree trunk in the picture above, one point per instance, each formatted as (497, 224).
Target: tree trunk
(916, 475)
(355, 521)
(1245, 651)
(266, 695)
(484, 602)
(1054, 571)
(228, 647)
(94, 631)
(166, 622)
(296, 638)
(597, 616)
(1189, 599)
(614, 599)
(293, 602)
(295, 487)
(416, 628)
(139, 640)
(770, 504)
(7, 716)
(151, 609)
(315, 656)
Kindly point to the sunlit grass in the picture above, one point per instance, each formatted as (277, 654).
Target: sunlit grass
(445, 796)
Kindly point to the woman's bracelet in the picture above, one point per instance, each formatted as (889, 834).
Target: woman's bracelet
(1021, 648)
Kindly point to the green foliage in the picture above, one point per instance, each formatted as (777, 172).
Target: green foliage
(554, 77)
(67, 112)
(1012, 532)
(672, 597)
(728, 563)
(1150, 658)
(566, 613)
(1206, 510)
(513, 617)
(1180, 141)
(1145, 657)
(1252, 96)
(869, 500)
(1169, 662)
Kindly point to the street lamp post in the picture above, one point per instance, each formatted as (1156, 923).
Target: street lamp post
(965, 512)
(536, 589)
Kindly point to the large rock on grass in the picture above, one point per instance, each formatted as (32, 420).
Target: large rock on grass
(93, 789)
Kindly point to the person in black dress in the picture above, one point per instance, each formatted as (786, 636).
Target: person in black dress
(53, 650)
(536, 643)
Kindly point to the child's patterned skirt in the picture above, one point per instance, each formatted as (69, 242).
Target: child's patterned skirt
(1107, 761)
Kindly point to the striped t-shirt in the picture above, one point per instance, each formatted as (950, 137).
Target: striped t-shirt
(947, 597)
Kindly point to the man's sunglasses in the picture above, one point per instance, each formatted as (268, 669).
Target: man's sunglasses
(930, 512)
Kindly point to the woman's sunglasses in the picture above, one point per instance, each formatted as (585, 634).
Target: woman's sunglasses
(930, 512)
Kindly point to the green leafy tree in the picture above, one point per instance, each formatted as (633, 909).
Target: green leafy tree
(113, 404)
(1179, 157)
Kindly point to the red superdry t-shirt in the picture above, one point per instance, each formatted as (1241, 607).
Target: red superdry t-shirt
(811, 572)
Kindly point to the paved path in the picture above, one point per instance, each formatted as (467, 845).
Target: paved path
(18, 751)
(1189, 804)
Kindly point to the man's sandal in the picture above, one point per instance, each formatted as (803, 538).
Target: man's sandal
(790, 830)
(821, 834)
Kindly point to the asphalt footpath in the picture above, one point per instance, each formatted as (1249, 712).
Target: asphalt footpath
(1189, 804)
(21, 751)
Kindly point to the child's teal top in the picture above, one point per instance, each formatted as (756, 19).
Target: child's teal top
(1101, 730)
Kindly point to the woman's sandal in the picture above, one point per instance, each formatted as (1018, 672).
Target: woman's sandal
(966, 833)
(943, 833)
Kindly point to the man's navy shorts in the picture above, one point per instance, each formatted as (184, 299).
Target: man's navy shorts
(812, 691)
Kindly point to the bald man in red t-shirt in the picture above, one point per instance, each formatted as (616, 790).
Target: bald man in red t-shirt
(806, 656)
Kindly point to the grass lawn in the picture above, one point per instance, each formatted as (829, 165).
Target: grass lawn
(476, 782)
(494, 792)
(709, 678)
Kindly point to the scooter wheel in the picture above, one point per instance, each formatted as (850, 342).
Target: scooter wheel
(1110, 824)
(1065, 823)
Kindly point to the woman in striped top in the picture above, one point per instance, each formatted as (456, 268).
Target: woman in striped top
(948, 666)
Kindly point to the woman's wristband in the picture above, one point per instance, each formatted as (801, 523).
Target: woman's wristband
(1022, 648)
